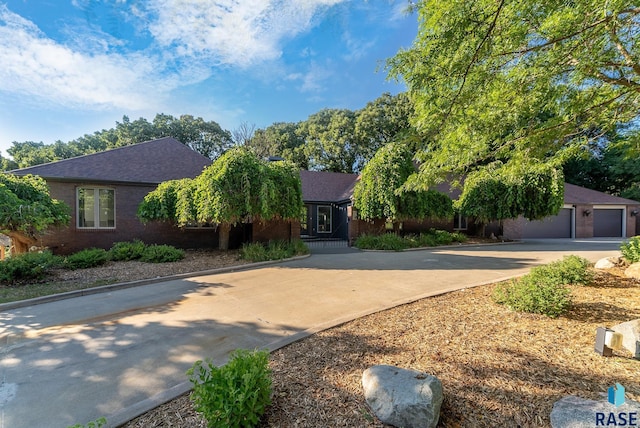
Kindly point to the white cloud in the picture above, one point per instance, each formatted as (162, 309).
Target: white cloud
(313, 80)
(35, 65)
(231, 32)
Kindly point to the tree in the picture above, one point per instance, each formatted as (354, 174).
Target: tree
(206, 138)
(243, 133)
(377, 195)
(237, 187)
(498, 84)
(280, 139)
(27, 210)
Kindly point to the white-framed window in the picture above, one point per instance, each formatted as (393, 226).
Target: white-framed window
(459, 222)
(324, 219)
(96, 208)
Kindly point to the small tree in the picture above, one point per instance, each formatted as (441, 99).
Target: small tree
(27, 210)
(237, 187)
(378, 194)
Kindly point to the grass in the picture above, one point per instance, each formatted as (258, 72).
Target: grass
(15, 294)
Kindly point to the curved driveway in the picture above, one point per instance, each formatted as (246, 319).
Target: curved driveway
(120, 353)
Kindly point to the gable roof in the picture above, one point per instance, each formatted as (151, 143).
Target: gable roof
(581, 195)
(150, 162)
(322, 186)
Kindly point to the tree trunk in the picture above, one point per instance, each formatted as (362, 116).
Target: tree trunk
(223, 238)
(20, 243)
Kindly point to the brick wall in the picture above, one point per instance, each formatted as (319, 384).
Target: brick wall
(276, 230)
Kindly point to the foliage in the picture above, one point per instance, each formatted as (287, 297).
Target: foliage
(377, 194)
(161, 254)
(90, 257)
(544, 290)
(393, 242)
(170, 201)
(27, 266)
(534, 191)
(273, 250)
(98, 423)
(26, 206)
(234, 395)
(631, 249)
(281, 139)
(517, 82)
(124, 251)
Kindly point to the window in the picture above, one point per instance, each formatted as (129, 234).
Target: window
(304, 221)
(96, 208)
(324, 219)
(459, 222)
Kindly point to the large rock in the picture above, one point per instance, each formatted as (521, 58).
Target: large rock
(633, 271)
(401, 397)
(630, 332)
(576, 412)
(607, 263)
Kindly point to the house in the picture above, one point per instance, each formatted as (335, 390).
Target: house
(586, 213)
(104, 190)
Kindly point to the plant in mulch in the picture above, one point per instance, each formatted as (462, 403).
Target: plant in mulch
(273, 250)
(161, 254)
(27, 266)
(544, 290)
(393, 242)
(98, 423)
(91, 257)
(631, 249)
(124, 251)
(234, 395)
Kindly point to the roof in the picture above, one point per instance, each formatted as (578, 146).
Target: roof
(149, 162)
(580, 195)
(322, 186)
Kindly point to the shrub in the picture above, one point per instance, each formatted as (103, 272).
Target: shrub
(161, 254)
(570, 270)
(123, 251)
(533, 295)
(27, 266)
(91, 257)
(631, 249)
(387, 241)
(274, 250)
(234, 395)
(98, 423)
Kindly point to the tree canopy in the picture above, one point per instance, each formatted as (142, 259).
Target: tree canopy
(501, 84)
(377, 195)
(237, 187)
(27, 209)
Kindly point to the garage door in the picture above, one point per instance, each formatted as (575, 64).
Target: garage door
(557, 226)
(607, 223)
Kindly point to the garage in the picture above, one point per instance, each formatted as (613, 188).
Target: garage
(607, 223)
(558, 226)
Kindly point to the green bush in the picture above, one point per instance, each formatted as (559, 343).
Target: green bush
(124, 251)
(91, 257)
(27, 266)
(387, 241)
(161, 254)
(234, 395)
(98, 423)
(533, 295)
(570, 270)
(631, 249)
(274, 250)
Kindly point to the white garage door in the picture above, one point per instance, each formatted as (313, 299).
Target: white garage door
(607, 223)
(557, 226)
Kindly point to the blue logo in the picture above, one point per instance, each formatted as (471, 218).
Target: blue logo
(616, 395)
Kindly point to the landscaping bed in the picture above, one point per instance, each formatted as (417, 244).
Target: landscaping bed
(498, 367)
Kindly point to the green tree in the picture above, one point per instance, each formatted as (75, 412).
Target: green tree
(27, 210)
(377, 195)
(502, 83)
(206, 138)
(237, 187)
(280, 139)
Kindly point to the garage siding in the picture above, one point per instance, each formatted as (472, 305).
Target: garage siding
(558, 226)
(607, 223)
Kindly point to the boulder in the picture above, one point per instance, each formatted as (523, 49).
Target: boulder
(633, 271)
(607, 263)
(576, 412)
(630, 332)
(402, 397)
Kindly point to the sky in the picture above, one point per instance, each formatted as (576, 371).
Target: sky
(74, 67)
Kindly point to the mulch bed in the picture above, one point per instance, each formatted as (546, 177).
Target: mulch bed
(498, 368)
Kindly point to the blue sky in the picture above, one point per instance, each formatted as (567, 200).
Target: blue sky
(71, 68)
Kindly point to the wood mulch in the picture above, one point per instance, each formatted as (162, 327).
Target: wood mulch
(498, 368)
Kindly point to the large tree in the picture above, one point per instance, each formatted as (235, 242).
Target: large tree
(377, 195)
(280, 139)
(27, 210)
(238, 187)
(504, 83)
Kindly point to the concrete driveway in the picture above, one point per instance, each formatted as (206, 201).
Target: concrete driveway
(121, 353)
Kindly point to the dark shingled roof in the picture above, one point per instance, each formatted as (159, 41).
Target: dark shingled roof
(580, 195)
(321, 186)
(150, 162)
